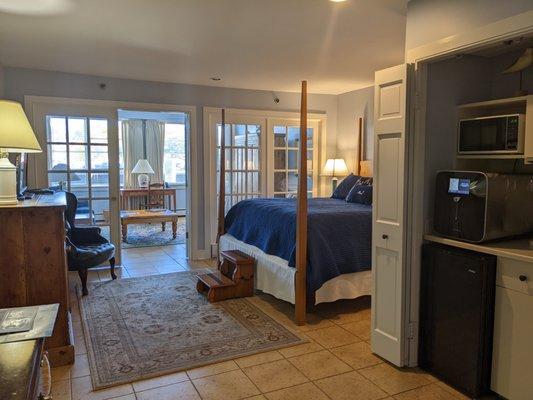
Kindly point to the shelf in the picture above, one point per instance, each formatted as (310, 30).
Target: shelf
(518, 249)
(491, 156)
(511, 101)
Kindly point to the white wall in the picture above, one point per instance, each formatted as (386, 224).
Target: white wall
(431, 20)
(352, 105)
(19, 82)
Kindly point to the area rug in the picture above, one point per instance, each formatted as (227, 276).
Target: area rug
(149, 235)
(139, 328)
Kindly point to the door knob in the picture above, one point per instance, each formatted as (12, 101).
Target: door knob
(522, 278)
(384, 236)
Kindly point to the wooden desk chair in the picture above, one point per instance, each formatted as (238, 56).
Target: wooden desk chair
(157, 199)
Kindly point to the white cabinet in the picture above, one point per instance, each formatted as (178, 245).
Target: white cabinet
(512, 358)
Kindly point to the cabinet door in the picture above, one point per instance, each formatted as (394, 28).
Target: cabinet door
(389, 213)
(512, 350)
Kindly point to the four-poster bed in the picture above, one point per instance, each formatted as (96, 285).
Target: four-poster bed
(308, 250)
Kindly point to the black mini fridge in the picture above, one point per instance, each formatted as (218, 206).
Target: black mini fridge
(457, 316)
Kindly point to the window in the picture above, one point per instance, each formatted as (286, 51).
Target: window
(243, 166)
(175, 159)
(285, 171)
(78, 160)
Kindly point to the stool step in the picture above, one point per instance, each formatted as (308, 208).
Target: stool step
(237, 257)
(215, 280)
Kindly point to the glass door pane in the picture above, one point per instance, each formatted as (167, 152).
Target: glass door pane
(78, 161)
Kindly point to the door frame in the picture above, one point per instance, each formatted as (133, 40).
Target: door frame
(213, 115)
(484, 36)
(31, 104)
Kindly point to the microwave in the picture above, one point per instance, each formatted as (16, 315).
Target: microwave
(498, 134)
(477, 206)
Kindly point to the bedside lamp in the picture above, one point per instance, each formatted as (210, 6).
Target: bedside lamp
(335, 167)
(143, 168)
(16, 136)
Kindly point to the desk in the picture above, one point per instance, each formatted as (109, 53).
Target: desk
(125, 194)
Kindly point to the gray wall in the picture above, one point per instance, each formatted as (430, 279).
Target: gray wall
(19, 82)
(352, 105)
(430, 20)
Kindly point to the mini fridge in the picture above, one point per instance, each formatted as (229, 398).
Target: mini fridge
(457, 316)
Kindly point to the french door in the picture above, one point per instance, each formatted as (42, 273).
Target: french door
(80, 154)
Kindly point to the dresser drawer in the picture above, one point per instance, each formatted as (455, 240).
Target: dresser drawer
(515, 275)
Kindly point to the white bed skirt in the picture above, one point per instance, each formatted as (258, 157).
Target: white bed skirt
(274, 276)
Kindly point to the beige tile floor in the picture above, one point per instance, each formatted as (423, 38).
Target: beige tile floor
(336, 364)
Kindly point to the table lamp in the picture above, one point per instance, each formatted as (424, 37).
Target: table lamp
(143, 168)
(335, 167)
(16, 136)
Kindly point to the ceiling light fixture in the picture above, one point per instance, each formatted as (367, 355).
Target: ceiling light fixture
(215, 78)
(35, 7)
(337, 1)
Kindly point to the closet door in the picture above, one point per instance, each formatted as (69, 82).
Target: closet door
(389, 214)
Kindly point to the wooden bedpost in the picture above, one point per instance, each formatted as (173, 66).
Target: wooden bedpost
(360, 146)
(301, 217)
(222, 182)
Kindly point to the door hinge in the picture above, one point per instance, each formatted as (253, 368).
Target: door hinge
(411, 331)
(186, 235)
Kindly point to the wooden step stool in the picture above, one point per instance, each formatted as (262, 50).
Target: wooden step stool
(234, 278)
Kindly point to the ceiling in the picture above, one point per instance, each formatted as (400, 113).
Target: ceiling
(251, 44)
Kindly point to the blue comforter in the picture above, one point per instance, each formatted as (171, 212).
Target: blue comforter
(338, 241)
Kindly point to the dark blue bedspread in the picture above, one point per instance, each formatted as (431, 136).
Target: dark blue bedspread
(338, 241)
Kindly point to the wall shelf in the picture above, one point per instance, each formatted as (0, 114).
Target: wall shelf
(499, 103)
(517, 249)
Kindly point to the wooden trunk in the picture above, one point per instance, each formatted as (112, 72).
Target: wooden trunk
(33, 265)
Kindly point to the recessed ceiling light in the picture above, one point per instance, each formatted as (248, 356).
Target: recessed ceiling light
(35, 7)
(337, 1)
(215, 78)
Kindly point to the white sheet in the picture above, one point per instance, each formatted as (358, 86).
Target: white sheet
(274, 276)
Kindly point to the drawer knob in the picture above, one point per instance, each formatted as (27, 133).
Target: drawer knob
(522, 278)
(384, 236)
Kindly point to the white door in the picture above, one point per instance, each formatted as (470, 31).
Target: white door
(80, 153)
(391, 94)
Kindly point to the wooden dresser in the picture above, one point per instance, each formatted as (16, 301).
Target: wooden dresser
(33, 265)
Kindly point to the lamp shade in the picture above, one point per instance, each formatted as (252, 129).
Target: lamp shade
(142, 167)
(335, 167)
(16, 134)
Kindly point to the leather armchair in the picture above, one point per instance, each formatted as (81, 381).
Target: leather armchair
(86, 247)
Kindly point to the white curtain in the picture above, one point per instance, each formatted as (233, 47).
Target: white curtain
(132, 143)
(155, 149)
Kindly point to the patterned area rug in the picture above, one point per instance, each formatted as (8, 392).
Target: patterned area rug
(139, 328)
(148, 235)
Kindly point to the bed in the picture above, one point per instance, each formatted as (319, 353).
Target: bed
(338, 243)
(305, 249)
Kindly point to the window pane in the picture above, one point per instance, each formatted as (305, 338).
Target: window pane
(253, 135)
(280, 133)
(309, 138)
(253, 159)
(309, 182)
(253, 182)
(99, 207)
(77, 130)
(239, 132)
(57, 157)
(280, 182)
(99, 158)
(175, 161)
(280, 161)
(310, 160)
(100, 184)
(56, 178)
(292, 181)
(78, 156)
(79, 184)
(238, 159)
(98, 130)
(294, 134)
(57, 129)
(292, 159)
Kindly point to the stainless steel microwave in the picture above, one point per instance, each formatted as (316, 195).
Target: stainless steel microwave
(499, 134)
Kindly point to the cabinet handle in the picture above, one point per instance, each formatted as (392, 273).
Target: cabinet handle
(522, 278)
(384, 236)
